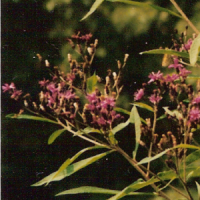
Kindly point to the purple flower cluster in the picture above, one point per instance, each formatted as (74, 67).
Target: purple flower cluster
(11, 89)
(99, 113)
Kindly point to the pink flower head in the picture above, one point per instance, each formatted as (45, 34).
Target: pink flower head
(68, 95)
(184, 72)
(154, 99)
(43, 83)
(92, 98)
(139, 94)
(194, 115)
(108, 101)
(196, 100)
(171, 78)
(101, 121)
(51, 87)
(6, 87)
(16, 94)
(155, 76)
(187, 45)
(175, 65)
(70, 77)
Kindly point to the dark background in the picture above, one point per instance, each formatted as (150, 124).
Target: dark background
(30, 27)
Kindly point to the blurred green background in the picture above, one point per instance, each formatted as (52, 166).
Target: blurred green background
(37, 26)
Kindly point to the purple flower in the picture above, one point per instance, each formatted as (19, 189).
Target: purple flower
(187, 45)
(155, 76)
(43, 83)
(108, 101)
(16, 94)
(194, 115)
(171, 78)
(6, 87)
(51, 87)
(184, 72)
(139, 94)
(196, 100)
(68, 95)
(92, 98)
(101, 121)
(154, 99)
(175, 65)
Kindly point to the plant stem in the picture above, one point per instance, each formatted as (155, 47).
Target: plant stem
(133, 162)
(185, 17)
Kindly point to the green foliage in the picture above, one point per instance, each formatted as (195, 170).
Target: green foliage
(198, 189)
(141, 4)
(96, 4)
(91, 83)
(97, 190)
(120, 126)
(67, 170)
(144, 105)
(30, 117)
(194, 50)
(54, 135)
(135, 118)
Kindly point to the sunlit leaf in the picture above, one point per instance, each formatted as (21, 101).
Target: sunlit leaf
(121, 110)
(161, 117)
(89, 130)
(187, 146)
(30, 117)
(143, 4)
(135, 118)
(170, 52)
(140, 183)
(54, 135)
(173, 113)
(194, 50)
(70, 160)
(91, 83)
(112, 138)
(96, 4)
(119, 127)
(97, 190)
(71, 169)
(198, 189)
(149, 159)
(144, 105)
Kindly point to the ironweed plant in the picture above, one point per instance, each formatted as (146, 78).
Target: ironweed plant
(85, 106)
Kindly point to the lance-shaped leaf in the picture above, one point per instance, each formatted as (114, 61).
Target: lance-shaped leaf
(71, 169)
(194, 50)
(198, 189)
(54, 135)
(91, 83)
(144, 105)
(119, 127)
(173, 113)
(170, 52)
(30, 117)
(121, 110)
(96, 4)
(140, 183)
(135, 118)
(97, 190)
(143, 4)
(88, 130)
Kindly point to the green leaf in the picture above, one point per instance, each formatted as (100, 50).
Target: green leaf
(149, 159)
(140, 183)
(194, 50)
(71, 169)
(31, 117)
(96, 4)
(119, 127)
(173, 113)
(144, 105)
(170, 52)
(141, 4)
(161, 117)
(135, 118)
(54, 135)
(198, 189)
(89, 130)
(187, 146)
(121, 110)
(112, 138)
(91, 83)
(97, 190)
